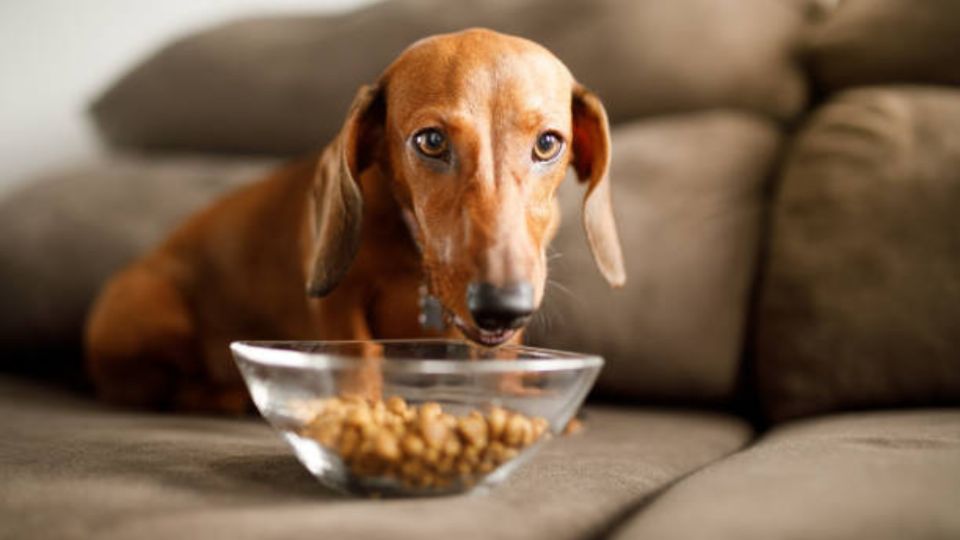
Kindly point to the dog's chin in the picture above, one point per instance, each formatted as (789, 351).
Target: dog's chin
(487, 338)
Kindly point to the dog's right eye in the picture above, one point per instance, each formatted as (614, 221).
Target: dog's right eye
(431, 142)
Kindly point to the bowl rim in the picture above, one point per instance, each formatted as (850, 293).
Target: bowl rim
(266, 352)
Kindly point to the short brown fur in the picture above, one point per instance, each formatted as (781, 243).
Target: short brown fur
(337, 246)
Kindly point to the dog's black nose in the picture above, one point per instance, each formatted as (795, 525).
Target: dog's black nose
(500, 308)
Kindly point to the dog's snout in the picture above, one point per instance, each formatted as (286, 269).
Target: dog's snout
(500, 308)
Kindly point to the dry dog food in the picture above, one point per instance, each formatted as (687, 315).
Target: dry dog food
(422, 446)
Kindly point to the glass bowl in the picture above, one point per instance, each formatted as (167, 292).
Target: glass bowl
(413, 417)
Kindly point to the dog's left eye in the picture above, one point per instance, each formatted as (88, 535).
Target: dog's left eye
(548, 146)
(431, 142)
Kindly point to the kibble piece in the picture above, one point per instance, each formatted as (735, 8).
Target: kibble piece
(495, 452)
(471, 454)
(449, 420)
(540, 426)
(387, 446)
(379, 412)
(325, 430)
(497, 421)
(412, 445)
(452, 447)
(430, 410)
(411, 469)
(528, 436)
(434, 431)
(397, 405)
(369, 430)
(395, 424)
(349, 443)
(359, 416)
(445, 465)
(426, 480)
(367, 444)
(574, 426)
(517, 430)
(473, 429)
(431, 456)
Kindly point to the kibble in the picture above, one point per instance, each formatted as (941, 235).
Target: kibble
(517, 431)
(420, 446)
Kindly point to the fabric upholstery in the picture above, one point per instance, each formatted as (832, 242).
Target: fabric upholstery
(62, 235)
(879, 475)
(72, 469)
(283, 84)
(868, 42)
(860, 302)
(688, 194)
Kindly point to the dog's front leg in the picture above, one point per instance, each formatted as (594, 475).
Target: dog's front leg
(342, 317)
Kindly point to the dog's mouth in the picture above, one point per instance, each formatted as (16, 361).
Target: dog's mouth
(435, 315)
(487, 338)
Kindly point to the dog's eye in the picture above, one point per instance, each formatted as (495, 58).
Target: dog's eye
(548, 146)
(431, 142)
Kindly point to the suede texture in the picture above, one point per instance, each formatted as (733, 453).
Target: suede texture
(63, 234)
(74, 469)
(868, 42)
(881, 475)
(860, 300)
(283, 84)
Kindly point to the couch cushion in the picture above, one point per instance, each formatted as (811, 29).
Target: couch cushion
(861, 298)
(688, 191)
(61, 235)
(868, 42)
(879, 475)
(73, 469)
(283, 84)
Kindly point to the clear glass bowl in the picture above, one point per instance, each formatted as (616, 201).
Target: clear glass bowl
(413, 417)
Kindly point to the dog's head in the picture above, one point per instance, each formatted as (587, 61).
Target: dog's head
(474, 131)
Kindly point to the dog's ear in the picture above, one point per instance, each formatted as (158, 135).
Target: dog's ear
(338, 204)
(591, 160)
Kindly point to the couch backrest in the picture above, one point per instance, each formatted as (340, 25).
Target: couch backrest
(282, 84)
(859, 305)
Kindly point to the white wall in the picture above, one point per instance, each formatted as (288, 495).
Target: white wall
(56, 55)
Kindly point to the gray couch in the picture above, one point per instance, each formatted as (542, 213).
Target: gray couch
(784, 363)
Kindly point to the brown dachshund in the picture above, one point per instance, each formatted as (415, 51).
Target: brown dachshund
(443, 175)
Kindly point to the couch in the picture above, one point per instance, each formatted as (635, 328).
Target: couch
(783, 363)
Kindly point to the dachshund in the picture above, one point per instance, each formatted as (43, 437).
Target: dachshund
(443, 178)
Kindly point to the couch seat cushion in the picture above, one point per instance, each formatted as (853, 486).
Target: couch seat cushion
(75, 469)
(871, 475)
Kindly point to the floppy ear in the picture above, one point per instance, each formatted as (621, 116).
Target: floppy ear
(591, 160)
(338, 204)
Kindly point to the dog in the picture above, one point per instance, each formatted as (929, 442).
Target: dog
(443, 178)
